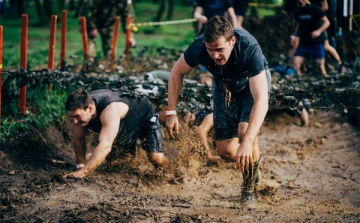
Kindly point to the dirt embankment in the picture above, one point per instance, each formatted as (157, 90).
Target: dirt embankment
(309, 174)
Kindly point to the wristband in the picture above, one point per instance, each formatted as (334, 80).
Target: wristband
(170, 112)
(80, 165)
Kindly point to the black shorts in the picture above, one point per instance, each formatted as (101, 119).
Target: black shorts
(200, 116)
(240, 7)
(226, 120)
(149, 135)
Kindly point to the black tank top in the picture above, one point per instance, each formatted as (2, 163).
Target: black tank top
(139, 114)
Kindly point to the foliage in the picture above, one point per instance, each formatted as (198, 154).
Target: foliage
(44, 107)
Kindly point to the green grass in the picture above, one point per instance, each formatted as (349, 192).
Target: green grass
(169, 36)
(177, 36)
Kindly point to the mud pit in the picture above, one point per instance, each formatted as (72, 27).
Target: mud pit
(309, 174)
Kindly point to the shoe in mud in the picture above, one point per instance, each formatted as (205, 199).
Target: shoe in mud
(341, 69)
(250, 179)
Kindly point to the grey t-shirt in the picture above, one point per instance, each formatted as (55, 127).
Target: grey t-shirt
(246, 60)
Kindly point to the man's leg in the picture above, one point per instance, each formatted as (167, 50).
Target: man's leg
(321, 63)
(106, 41)
(151, 138)
(92, 49)
(251, 177)
(203, 131)
(157, 159)
(227, 148)
(298, 61)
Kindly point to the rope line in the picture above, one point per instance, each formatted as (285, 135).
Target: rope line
(132, 25)
(135, 25)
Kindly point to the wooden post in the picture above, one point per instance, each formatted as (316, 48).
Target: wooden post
(128, 36)
(84, 36)
(63, 39)
(1, 53)
(114, 43)
(52, 43)
(23, 60)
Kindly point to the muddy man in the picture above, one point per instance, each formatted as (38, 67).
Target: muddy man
(241, 93)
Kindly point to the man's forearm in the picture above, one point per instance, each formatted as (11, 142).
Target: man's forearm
(99, 155)
(259, 91)
(175, 86)
(325, 25)
(257, 117)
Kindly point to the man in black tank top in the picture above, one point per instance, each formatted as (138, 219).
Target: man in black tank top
(115, 117)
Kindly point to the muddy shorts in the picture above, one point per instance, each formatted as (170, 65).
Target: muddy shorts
(200, 116)
(149, 136)
(226, 120)
(315, 51)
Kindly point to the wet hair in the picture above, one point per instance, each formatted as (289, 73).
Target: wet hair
(78, 99)
(217, 27)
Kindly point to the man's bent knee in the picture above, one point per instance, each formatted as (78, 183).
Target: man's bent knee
(227, 148)
(158, 159)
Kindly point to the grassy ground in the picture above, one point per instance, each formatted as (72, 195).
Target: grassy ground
(169, 36)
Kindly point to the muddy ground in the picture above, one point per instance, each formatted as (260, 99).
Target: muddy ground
(309, 174)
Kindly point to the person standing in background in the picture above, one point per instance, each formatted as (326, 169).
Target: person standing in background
(240, 7)
(100, 18)
(206, 9)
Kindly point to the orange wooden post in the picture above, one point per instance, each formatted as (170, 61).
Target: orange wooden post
(23, 60)
(128, 36)
(84, 36)
(114, 43)
(63, 38)
(52, 42)
(1, 53)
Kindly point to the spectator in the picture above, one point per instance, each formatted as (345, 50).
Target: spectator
(211, 8)
(100, 18)
(240, 7)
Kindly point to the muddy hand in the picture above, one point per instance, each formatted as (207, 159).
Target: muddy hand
(243, 159)
(77, 174)
(172, 125)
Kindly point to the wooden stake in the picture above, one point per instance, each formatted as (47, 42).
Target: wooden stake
(84, 36)
(23, 60)
(63, 39)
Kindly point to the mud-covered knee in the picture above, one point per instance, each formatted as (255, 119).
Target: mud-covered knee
(226, 155)
(157, 159)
